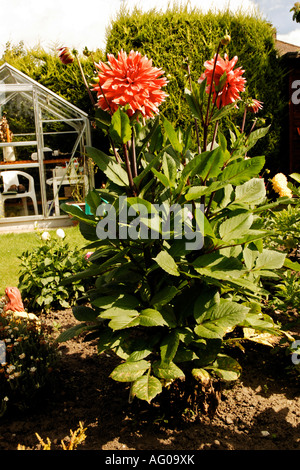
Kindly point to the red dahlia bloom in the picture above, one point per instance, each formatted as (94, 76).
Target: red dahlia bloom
(232, 83)
(130, 80)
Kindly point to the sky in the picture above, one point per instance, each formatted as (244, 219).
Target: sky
(78, 24)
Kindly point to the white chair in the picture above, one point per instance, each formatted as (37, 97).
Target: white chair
(10, 178)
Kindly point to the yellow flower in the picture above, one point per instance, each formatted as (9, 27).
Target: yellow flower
(279, 183)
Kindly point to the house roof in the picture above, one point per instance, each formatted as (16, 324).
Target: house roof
(286, 48)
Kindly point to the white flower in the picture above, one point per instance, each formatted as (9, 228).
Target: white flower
(5, 399)
(60, 233)
(21, 356)
(46, 236)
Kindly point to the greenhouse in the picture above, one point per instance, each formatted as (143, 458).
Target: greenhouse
(42, 153)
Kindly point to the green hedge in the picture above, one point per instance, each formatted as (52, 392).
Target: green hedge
(169, 37)
(47, 69)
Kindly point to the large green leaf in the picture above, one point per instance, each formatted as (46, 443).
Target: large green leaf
(84, 313)
(167, 263)
(120, 318)
(151, 317)
(251, 192)
(219, 318)
(270, 259)
(164, 296)
(235, 227)
(172, 135)
(113, 170)
(168, 371)
(129, 371)
(78, 214)
(239, 172)
(146, 387)
(169, 346)
(120, 129)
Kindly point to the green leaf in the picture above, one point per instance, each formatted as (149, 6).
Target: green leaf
(83, 313)
(219, 318)
(123, 301)
(129, 371)
(167, 371)
(151, 317)
(113, 170)
(164, 296)
(270, 259)
(169, 346)
(146, 387)
(78, 214)
(120, 129)
(194, 102)
(71, 333)
(120, 318)
(240, 172)
(251, 192)
(255, 135)
(167, 263)
(295, 266)
(295, 176)
(226, 367)
(220, 113)
(172, 135)
(235, 227)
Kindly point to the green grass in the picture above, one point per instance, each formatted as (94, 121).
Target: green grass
(12, 245)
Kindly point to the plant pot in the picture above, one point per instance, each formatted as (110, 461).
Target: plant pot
(9, 154)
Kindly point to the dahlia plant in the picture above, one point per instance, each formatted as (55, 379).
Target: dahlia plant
(178, 258)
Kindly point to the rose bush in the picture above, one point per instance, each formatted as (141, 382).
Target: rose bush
(178, 250)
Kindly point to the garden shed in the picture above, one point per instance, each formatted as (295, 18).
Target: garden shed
(42, 153)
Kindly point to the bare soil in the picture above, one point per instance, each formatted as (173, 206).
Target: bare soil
(258, 412)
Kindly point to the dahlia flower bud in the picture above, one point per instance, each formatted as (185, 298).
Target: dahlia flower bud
(225, 40)
(279, 183)
(66, 56)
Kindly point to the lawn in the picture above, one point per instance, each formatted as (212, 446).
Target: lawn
(12, 245)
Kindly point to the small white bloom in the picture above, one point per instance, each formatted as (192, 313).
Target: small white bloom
(46, 236)
(21, 356)
(5, 399)
(60, 233)
(32, 369)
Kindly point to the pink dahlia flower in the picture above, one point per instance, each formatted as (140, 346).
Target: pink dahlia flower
(228, 89)
(130, 80)
(254, 106)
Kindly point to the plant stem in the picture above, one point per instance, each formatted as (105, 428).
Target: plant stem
(244, 119)
(85, 82)
(196, 123)
(214, 136)
(133, 156)
(128, 168)
(206, 122)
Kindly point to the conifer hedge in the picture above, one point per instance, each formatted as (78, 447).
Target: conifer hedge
(168, 38)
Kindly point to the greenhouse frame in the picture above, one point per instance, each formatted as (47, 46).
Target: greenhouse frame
(42, 153)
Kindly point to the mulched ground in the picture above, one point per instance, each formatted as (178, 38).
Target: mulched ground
(261, 411)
